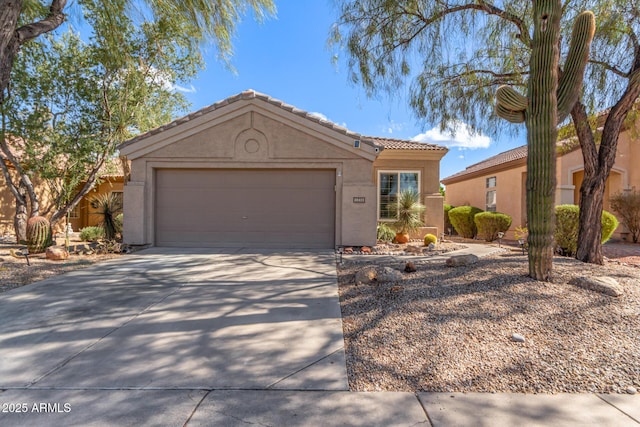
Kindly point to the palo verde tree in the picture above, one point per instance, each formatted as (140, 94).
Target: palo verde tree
(92, 95)
(454, 55)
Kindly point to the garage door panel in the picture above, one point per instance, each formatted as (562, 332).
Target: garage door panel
(260, 208)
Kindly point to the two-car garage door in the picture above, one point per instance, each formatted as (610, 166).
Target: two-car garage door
(288, 208)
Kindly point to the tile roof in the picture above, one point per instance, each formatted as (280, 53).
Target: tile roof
(387, 143)
(402, 144)
(517, 153)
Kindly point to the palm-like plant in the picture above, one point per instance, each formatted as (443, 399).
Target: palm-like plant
(409, 213)
(108, 207)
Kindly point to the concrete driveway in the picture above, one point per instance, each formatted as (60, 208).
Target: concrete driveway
(171, 319)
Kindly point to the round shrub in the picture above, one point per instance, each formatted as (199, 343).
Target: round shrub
(489, 224)
(91, 234)
(448, 228)
(566, 233)
(462, 220)
(430, 238)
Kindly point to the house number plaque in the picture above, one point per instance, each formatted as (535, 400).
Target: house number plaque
(359, 200)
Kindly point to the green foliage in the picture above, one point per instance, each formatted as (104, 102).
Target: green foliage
(92, 234)
(462, 220)
(489, 224)
(384, 232)
(108, 206)
(118, 221)
(430, 238)
(39, 234)
(447, 221)
(627, 206)
(566, 230)
(408, 212)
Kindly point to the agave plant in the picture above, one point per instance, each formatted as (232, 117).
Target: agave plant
(408, 212)
(108, 207)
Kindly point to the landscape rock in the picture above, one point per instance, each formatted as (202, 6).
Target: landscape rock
(603, 284)
(410, 267)
(388, 274)
(413, 249)
(347, 250)
(56, 253)
(631, 390)
(366, 275)
(517, 338)
(460, 260)
(366, 250)
(432, 246)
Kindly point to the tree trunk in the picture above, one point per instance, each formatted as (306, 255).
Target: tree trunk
(20, 219)
(541, 120)
(597, 166)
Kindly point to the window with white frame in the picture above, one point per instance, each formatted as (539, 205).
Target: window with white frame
(490, 203)
(390, 183)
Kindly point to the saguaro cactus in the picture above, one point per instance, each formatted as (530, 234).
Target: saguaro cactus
(550, 97)
(39, 235)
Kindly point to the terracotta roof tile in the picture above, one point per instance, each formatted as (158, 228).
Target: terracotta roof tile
(403, 144)
(499, 159)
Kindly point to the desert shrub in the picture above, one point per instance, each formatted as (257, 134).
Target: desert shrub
(108, 207)
(489, 224)
(447, 221)
(118, 223)
(92, 234)
(384, 232)
(566, 233)
(462, 220)
(627, 206)
(430, 238)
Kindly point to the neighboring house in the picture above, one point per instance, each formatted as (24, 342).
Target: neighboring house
(498, 183)
(252, 171)
(82, 216)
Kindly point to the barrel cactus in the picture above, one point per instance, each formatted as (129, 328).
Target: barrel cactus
(39, 234)
(551, 97)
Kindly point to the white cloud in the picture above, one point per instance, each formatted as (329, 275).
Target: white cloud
(462, 137)
(189, 89)
(323, 117)
(318, 116)
(392, 126)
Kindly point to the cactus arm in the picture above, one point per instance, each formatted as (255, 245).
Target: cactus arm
(570, 82)
(509, 115)
(511, 105)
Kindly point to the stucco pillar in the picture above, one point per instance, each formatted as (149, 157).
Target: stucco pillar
(359, 215)
(434, 214)
(133, 218)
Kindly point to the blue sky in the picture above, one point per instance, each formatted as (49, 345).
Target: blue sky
(287, 58)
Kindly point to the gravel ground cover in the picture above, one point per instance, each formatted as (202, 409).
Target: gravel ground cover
(446, 329)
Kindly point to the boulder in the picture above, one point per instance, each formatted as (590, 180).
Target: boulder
(388, 274)
(603, 284)
(56, 253)
(366, 275)
(410, 267)
(460, 260)
(365, 250)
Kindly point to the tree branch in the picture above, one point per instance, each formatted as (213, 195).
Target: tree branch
(52, 21)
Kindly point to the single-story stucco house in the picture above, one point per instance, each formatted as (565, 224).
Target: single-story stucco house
(499, 182)
(252, 171)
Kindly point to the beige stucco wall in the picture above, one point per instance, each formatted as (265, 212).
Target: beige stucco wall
(510, 193)
(428, 165)
(253, 134)
(510, 189)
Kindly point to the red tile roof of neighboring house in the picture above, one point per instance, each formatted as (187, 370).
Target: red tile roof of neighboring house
(497, 160)
(386, 143)
(402, 144)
